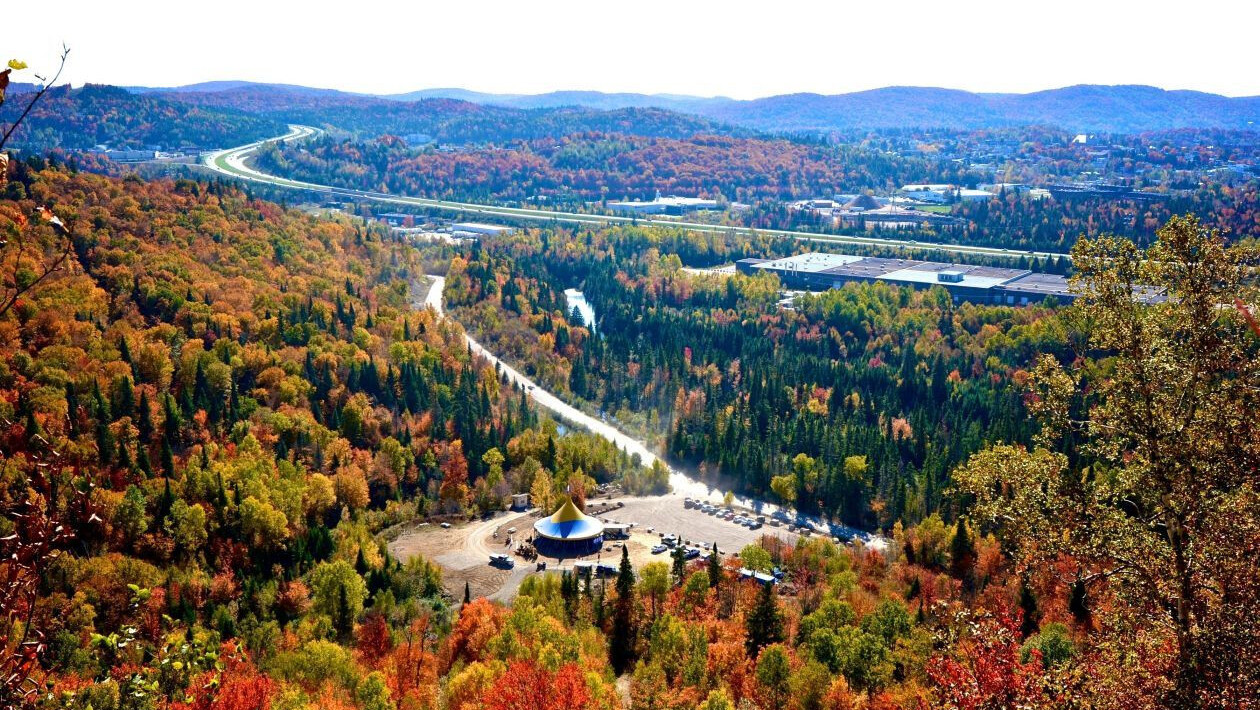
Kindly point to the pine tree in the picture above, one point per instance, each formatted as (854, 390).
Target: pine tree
(168, 459)
(467, 593)
(962, 555)
(680, 565)
(715, 568)
(345, 619)
(764, 624)
(621, 650)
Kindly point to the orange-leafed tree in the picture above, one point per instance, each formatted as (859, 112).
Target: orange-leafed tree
(526, 686)
(479, 621)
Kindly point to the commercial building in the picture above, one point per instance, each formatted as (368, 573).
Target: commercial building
(868, 211)
(672, 205)
(129, 156)
(1099, 191)
(976, 284)
(479, 229)
(568, 533)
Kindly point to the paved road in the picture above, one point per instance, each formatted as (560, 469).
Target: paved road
(682, 483)
(231, 162)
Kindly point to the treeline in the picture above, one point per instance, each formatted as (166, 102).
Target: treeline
(79, 119)
(855, 404)
(1055, 225)
(445, 121)
(574, 171)
(605, 165)
(223, 402)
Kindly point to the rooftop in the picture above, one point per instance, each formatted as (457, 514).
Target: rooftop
(928, 275)
(810, 263)
(1048, 284)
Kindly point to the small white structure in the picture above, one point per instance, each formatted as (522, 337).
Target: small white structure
(665, 205)
(520, 501)
(479, 228)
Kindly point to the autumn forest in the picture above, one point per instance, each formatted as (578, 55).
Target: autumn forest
(250, 436)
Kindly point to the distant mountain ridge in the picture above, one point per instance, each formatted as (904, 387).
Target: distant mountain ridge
(1085, 108)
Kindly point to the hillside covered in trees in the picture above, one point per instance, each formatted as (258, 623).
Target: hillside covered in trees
(215, 408)
(444, 120)
(218, 404)
(855, 404)
(78, 119)
(575, 168)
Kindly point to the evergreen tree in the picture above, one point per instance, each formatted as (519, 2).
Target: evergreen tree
(715, 568)
(680, 564)
(344, 621)
(168, 458)
(764, 624)
(621, 644)
(962, 555)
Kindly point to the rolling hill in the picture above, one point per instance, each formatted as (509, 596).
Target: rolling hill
(1084, 108)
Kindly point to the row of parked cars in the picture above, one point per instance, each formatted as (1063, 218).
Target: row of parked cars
(748, 521)
(670, 541)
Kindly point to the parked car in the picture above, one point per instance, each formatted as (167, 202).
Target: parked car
(691, 553)
(659, 549)
(446, 525)
(503, 561)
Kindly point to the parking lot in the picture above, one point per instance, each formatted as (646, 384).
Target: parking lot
(666, 514)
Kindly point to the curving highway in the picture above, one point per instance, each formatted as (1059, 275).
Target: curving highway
(231, 162)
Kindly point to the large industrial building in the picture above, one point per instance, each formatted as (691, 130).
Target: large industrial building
(977, 284)
(568, 533)
(672, 205)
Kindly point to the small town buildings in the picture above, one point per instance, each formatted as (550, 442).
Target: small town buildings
(672, 205)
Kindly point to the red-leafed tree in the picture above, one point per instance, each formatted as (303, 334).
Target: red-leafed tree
(984, 671)
(525, 686)
(372, 638)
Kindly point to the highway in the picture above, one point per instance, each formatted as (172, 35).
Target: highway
(231, 162)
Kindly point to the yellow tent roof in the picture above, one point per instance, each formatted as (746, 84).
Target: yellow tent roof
(569, 523)
(567, 513)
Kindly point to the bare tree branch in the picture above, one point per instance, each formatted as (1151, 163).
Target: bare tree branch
(65, 52)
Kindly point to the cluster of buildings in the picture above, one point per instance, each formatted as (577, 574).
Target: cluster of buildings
(868, 212)
(1098, 190)
(141, 155)
(418, 229)
(977, 284)
(671, 205)
(912, 206)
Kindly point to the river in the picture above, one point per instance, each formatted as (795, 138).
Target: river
(682, 483)
(576, 299)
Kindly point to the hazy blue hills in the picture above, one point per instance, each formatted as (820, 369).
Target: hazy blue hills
(1085, 108)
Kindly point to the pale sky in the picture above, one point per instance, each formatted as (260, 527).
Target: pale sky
(738, 49)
